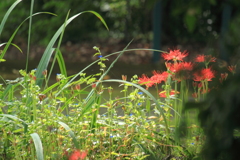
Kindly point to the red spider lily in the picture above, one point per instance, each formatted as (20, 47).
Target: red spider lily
(177, 67)
(232, 68)
(194, 95)
(180, 70)
(200, 85)
(200, 58)
(205, 91)
(209, 58)
(159, 77)
(163, 93)
(223, 77)
(195, 84)
(187, 66)
(146, 81)
(78, 155)
(205, 58)
(204, 74)
(174, 55)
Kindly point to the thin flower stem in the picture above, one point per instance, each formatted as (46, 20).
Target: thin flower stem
(156, 86)
(204, 84)
(176, 118)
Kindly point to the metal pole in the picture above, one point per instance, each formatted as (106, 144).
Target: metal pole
(157, 21)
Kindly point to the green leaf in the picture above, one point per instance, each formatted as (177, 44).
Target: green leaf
(47, 53)
(57, 55)
(96, 54)
(13, 117)
(15, 32)
(16, 119)
(29, 34)
(88, 104)
(61, 63)
(71, 133)
(2, 60)
(148, 105)
(13, 45)
(99, 17)
(7, 14)
(38, 145)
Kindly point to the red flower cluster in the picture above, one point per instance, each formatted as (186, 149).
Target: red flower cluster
(174, 55)
(179, 70)
(205, 58)
(78, 155)
(204, 74)
(146, 81)
(177, 67)
(163, 93)
(157, 78)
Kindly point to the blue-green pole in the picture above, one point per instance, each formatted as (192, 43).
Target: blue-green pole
(157, 21)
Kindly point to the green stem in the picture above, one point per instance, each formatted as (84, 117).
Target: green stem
(176, 118)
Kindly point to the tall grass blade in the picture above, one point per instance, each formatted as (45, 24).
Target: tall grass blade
(58, 51)
(15, 32)
(6, 91)
(95, 114)
(7, 15)
(13, 45)
(87, 107)
(16, 119)
(99, 17)
(50, 88)
(38, 146)
(61, 63)
(29, 33)
(71, 133)
(47, 54)
(13, 117)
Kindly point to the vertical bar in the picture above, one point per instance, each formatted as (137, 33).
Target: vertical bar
(226, 15)
(157, 21)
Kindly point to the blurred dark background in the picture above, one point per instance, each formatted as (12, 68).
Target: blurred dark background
(201, 27)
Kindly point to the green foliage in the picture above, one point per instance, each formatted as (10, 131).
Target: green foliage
(38, 146)
(80, 113)
(57, 120)
(219, 117)
(33, 121)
